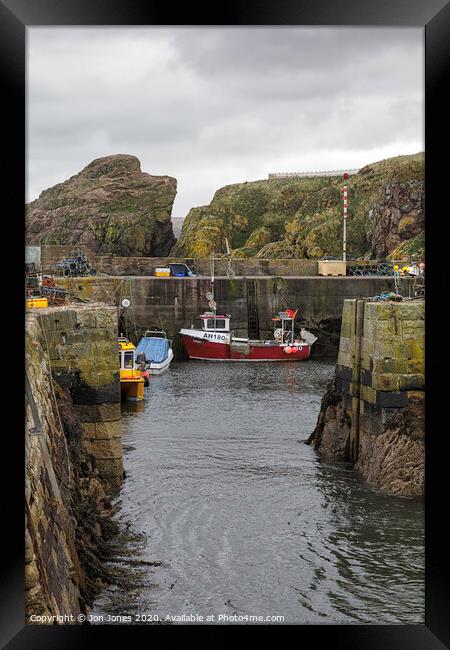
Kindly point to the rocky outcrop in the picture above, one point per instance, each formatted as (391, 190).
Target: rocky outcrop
(110, 206)
(393, 460)
(396, 224)
(302, 217)
(332, 433)
(67, 509)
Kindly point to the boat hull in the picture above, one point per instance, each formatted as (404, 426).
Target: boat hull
(132, 391)
(207, 350)
(158, 368)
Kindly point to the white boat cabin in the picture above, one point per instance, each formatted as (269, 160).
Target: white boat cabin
(215, 323)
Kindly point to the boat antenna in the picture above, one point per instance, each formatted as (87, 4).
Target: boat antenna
(212, 277)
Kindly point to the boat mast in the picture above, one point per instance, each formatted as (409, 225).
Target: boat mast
(213, 302)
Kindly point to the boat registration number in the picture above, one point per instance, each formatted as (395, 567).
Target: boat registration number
(215, 336)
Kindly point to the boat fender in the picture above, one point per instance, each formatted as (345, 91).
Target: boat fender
(288, 349)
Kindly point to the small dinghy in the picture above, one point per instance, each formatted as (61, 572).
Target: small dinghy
(154, 351)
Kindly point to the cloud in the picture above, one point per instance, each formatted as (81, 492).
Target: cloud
(212, 106)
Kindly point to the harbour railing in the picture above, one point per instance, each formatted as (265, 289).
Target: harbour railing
(330, 172)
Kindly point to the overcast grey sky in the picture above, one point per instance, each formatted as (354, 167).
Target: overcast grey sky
(213, 106)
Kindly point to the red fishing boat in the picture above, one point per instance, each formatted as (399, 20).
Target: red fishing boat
(215, 341)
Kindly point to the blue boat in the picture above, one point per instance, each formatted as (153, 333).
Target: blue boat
(154, 351)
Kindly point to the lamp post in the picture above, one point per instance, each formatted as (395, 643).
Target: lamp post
(345, 176)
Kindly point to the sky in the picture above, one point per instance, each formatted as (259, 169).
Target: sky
(214, 106)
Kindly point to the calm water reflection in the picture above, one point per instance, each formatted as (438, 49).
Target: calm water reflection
(227, 511)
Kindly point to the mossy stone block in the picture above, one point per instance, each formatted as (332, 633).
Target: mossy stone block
(85, 319)
(412, 329)
(387, 381)
(368, 394)
(414, 311)
(345, 344)
(378, 311)
(412, 382)
(345, 359)
(107, 412)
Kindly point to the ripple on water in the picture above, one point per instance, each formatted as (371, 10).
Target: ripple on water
(240, 516)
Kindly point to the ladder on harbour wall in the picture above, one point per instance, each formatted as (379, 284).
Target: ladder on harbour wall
(252, 310)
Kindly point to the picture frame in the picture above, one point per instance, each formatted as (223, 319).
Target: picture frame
(434, 16)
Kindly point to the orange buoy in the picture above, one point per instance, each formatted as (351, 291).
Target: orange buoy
(288, 349)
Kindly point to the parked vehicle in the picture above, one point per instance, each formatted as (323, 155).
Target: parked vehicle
(175, 270)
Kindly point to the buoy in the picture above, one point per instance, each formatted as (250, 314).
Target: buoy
(288, 349)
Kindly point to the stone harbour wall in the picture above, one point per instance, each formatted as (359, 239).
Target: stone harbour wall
(115, 265)
(67, 509)
(82, 347)
(372, 413)
(202, 266)
(178, 302)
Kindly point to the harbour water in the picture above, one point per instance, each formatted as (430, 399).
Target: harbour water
(225, 512)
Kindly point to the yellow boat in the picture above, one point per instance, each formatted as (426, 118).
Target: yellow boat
(132, 380)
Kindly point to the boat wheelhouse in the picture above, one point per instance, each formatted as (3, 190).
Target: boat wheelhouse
(132, 379)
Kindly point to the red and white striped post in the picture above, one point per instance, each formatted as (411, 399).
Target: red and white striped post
(344, 243)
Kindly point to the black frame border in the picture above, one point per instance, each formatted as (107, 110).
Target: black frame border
(434, 15)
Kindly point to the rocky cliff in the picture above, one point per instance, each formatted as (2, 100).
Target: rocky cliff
(302, 217)
(111, 206)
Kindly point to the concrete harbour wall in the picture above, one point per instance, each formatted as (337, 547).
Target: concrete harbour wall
(177, 302)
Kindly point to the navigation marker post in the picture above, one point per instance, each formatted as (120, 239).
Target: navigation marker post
(345, 176)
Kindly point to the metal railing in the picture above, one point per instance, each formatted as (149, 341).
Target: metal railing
(330, 172)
